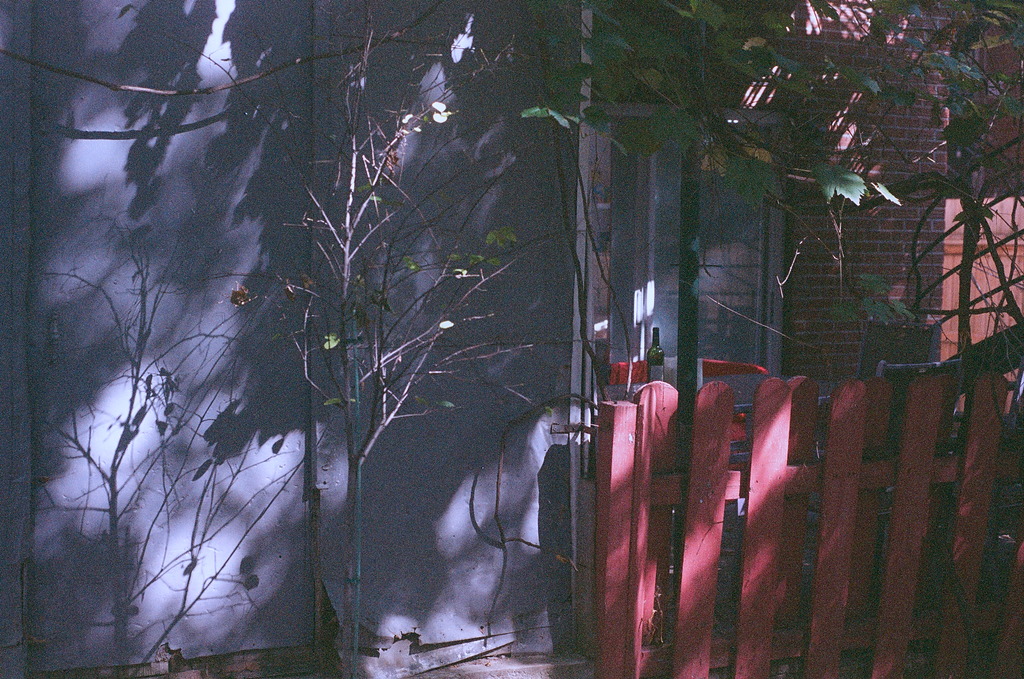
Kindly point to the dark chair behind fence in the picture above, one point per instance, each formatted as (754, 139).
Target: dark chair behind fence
(897, 343)
(901, 375)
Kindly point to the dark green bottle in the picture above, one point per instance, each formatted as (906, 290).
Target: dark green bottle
(655, 358)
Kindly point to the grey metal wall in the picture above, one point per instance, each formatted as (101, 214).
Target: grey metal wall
(171, 422)
(171, 454)
(15, 470)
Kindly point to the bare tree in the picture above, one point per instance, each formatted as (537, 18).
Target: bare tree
(394, 299)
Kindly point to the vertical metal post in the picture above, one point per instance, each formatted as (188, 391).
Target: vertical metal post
(686, 337)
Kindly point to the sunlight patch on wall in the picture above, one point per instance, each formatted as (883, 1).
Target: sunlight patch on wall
(454, 528)
(473, 562)
(88, 164)
(463, 41)
(259, 475)
(395, 626)
(214, 65)
(760, 92)
(814, 21)
(97, 441)
(434, 85)
(854, 19)
(187, 585)
(464, 601)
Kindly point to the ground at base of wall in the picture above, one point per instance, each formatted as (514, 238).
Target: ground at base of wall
(504, 667)
(518, 667)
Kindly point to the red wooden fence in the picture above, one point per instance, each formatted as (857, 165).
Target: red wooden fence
(644, 629)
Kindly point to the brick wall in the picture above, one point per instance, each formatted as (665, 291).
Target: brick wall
(889, 143)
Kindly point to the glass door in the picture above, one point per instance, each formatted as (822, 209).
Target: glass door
(635, 209)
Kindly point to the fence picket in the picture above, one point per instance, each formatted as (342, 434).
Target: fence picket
(969, 532)
(614, 485)
(761, 585)
(803, 422)
(830, 587)
(637, 447)
(878, 396)
(705, 508)
(658, 403)
(908, 523)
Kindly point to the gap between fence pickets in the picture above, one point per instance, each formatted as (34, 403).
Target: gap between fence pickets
(623, 655)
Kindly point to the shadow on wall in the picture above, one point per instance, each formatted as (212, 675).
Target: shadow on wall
(169, 504)
(172, 409)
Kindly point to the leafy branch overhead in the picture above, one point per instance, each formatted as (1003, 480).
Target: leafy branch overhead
(736, 87)
(709, 71)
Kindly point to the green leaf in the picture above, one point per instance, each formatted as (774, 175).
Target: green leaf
(535, 112)
(874, 284)
(639, 136)
(445, 404)
(560, 119)
(899, 96)
(785, 63)
(332, 341)
(606, 46)
(411, 264)
(838, 181)
(675, 124)
(844, 311)
(861, 79)
(901, 310)
(1013, 106)
(964, 131)
(333, 402)
(678, 10)
(502, 237)
(878, 310)
(914, 43)
(545, 112)
(381, 201)
(886, 193)
(597, 118)
(652, 77)
(709, 12)
(599, 10)
(751, 178)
